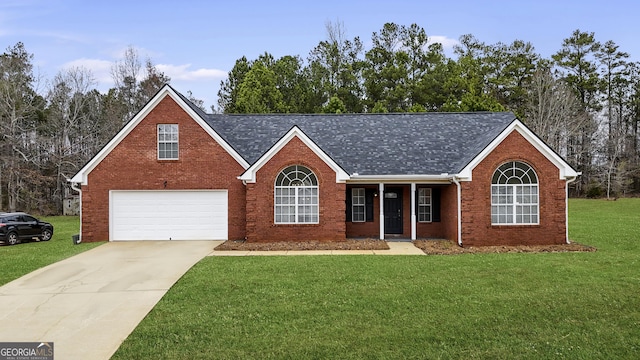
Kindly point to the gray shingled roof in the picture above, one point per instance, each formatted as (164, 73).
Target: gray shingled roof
(372, 144)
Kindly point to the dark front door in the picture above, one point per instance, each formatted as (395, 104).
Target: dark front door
(393, 211)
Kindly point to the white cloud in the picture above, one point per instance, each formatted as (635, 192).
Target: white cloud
(447, 43)
(183, 72)
(201, 81)
(101, 69)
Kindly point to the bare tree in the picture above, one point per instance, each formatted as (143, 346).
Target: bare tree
(126, 74)
(19, 120)
(71, 126)
(153, 80)
(553, 111)
(134, 86)
(195, 101)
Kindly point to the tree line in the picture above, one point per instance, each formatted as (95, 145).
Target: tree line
(583, 101)
(50, 132)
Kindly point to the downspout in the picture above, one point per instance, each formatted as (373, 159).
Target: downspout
(73, 186)
(455, 181)
(566, 210)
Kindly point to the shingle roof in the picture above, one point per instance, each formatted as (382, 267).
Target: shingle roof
(372, 144)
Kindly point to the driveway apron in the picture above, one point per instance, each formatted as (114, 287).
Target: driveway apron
(88, 304)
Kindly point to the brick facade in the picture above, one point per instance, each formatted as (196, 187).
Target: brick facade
(204, 164)
(366, 229)
(133, 165)
(260, 225)
(476, 199)
(447, 227)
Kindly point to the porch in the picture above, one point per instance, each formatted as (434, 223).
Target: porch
(409, 211)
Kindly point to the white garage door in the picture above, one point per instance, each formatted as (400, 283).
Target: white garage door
(168, 215)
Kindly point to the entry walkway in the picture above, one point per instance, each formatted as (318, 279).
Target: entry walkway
(395, 248)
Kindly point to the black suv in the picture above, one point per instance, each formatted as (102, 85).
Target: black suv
(15, 227)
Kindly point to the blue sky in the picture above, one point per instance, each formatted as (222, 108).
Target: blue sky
(197, 42)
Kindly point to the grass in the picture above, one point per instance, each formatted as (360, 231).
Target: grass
(21, 259)
(478, 306)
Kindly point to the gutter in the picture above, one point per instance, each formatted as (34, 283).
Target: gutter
(74, 187)
(398, 178)
(457, 182)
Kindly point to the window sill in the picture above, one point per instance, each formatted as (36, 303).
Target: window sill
(515, 225)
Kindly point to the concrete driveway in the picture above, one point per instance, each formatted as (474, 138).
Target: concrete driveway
(88, 304)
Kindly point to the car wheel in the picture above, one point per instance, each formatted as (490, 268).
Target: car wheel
(12, 238)
(46, 235)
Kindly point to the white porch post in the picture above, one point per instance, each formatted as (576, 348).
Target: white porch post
(413, 211)
(381, 196)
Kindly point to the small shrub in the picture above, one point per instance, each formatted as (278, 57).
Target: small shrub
(595, 191)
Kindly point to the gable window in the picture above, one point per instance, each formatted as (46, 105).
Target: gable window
(424, 204)
(514, 195)
(296, 196)
(357, 205)
(168, 141)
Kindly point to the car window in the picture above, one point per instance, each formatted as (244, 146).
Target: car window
(27, 218)
(10, 219)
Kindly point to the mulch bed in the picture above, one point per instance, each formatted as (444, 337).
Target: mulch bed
(364, 244)
(430, 247)
(446, 247)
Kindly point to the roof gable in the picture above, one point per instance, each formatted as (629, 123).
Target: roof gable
(565, 170)
(82, 175)
(250, 174)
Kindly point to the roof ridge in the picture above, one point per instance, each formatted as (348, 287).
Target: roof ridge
(362, 114)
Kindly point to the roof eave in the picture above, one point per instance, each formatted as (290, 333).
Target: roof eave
(443, 178)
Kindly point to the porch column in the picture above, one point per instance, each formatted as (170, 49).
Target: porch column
(381, 196)
(413, 211)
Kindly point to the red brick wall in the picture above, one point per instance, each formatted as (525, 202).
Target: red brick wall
(446, 227)
(260, 200)
(370, 229)
(133, 165)
(476, 199)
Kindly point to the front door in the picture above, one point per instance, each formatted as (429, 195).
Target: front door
(393, 211)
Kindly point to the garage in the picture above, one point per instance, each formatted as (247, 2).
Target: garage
(168, 215)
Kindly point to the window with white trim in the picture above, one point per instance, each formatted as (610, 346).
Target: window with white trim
(357, 205)
(514, 195)
(168, 141)
(424, 204)
(296, 196)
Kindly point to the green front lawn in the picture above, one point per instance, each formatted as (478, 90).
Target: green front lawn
(484, 306)
(21, 259)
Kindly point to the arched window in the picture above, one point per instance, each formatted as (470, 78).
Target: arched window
(514, 194)
(296, 196)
